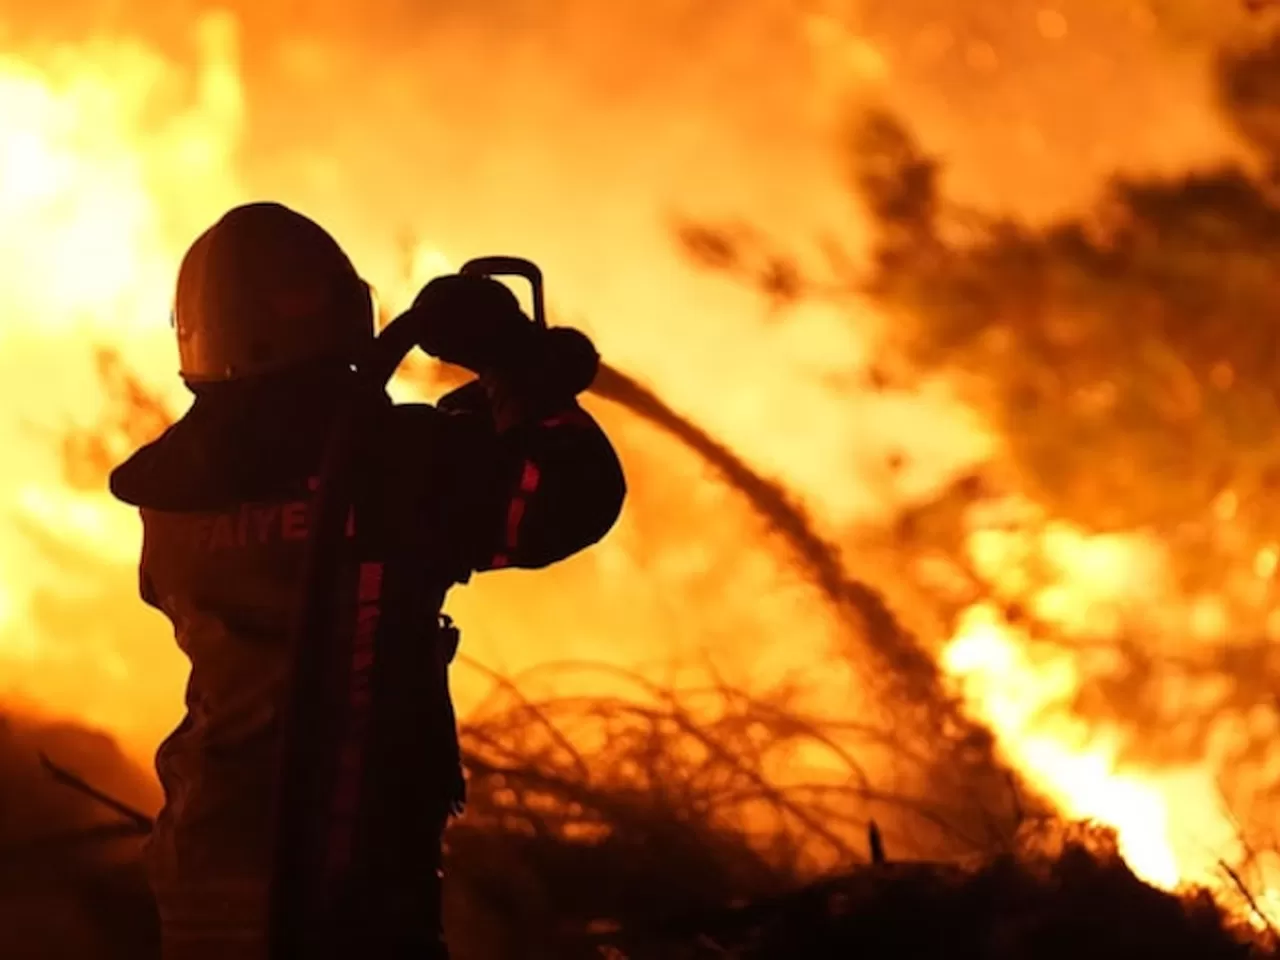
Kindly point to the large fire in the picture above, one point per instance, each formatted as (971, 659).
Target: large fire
(112, 155)
(1172, 823)
(94, 191)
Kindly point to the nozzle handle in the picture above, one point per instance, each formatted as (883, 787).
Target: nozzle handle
(500, 266)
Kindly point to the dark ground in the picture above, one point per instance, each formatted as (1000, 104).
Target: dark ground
(653, 890)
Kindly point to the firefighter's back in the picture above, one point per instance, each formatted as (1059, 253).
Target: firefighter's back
(224, 497)
(272, 321)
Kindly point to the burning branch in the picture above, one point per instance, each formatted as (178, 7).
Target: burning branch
(135, 824)
(140, 821)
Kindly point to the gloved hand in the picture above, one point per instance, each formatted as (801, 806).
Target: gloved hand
(476, 323)
(563, 362)
(473, 322)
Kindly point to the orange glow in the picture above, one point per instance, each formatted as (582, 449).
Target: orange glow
(95, 195)
(115, 152)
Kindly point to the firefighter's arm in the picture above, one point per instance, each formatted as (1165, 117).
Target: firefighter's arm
(545, 481)
(556, 487)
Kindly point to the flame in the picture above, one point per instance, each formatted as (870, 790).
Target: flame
(102, 181)
(84, 181)
(113, 155)
(1074, 765)
(1170, 820)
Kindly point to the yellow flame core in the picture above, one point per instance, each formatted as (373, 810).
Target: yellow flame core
(110, 159)
(1078, 770)
(88, 178)
(1169, 821)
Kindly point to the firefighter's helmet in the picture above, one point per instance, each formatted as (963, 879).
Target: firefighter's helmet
(263, 290)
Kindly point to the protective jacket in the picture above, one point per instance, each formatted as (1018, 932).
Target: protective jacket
(227, 497)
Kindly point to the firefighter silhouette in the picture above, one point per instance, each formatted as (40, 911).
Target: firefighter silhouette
(301, 532)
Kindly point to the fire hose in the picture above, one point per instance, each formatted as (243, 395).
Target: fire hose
(304, 883)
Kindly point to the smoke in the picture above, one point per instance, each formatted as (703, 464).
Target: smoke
(1034, 104)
